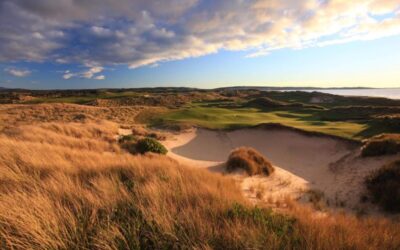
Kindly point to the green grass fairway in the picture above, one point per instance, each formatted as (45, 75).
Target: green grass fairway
(224, 118)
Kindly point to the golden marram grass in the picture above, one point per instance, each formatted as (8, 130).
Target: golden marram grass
(69, 186)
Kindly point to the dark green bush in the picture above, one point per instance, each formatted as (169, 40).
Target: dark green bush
(127, 138)
(150, 145)
(384, 186)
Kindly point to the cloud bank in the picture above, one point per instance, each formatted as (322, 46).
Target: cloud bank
(139, 33)
(17, 72)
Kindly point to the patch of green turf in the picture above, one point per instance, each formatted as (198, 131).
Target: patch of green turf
(224, 118)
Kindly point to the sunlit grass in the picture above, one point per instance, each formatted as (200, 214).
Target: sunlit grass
(69, 186)
(223, 118)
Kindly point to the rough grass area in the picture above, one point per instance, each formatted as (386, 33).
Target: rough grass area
(12, 115)
(69, 186)
(268, 103)
(250, 160)
(65, 189)
(265, 102)
(385, 144)
(384, 186)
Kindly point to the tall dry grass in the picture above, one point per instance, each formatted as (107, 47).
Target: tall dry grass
(23, 114)
(67, 186)
(57, 193)
(344, 231)
(250, 160)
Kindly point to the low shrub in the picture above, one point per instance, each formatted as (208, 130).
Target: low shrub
(250, 160)
(385, 144)
(127, 138)
(384, 186)
(150, 145)
(128, 142)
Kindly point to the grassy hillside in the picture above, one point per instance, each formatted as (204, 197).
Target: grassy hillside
(350, 117)
(12, 115)
(70, 186)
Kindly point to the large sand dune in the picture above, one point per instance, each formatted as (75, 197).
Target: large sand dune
(302, 162)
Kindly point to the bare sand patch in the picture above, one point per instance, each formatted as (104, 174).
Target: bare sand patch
(305, 165)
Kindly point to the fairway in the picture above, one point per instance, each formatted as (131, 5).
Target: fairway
(224, 118)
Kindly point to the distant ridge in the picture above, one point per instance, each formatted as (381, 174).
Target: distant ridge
(269, 88)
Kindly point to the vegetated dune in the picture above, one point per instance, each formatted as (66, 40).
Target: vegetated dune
(384, 144)
(303, 162)
(265, 102)
(12, 114)
(68, 186)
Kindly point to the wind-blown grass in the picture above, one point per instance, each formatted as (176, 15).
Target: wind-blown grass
(68, 186)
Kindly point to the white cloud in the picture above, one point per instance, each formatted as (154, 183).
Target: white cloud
(90, 73)
(18, 72)
(68, 75)
(142, 32)
(99, 77)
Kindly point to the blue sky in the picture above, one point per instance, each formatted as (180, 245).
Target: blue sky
(199, 43)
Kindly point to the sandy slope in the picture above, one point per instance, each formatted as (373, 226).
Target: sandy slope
(302, 163)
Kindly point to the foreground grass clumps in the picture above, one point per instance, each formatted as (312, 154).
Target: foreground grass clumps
(72, 191)
(70, 186)
(384, 186)
(385, 144)
(250, 160)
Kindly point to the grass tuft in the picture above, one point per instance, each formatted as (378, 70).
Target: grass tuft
(250, 160)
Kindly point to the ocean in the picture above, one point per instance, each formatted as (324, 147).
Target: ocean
(393, 93)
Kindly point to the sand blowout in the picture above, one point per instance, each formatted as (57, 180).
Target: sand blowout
(250, 160)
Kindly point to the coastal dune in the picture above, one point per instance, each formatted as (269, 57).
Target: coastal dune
(305, 164)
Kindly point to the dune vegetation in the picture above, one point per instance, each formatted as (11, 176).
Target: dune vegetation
(384, 186)
(150, 145)
(249, 160)
(384, 144)
(71, 186)
(69, 181)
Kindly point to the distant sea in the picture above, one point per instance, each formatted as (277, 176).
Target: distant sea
(393, 93)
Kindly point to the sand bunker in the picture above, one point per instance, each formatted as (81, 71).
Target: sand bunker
(303, 163)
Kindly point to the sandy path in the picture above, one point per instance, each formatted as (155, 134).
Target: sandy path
(302, 163)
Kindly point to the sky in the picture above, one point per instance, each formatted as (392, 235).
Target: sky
(66, 44)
